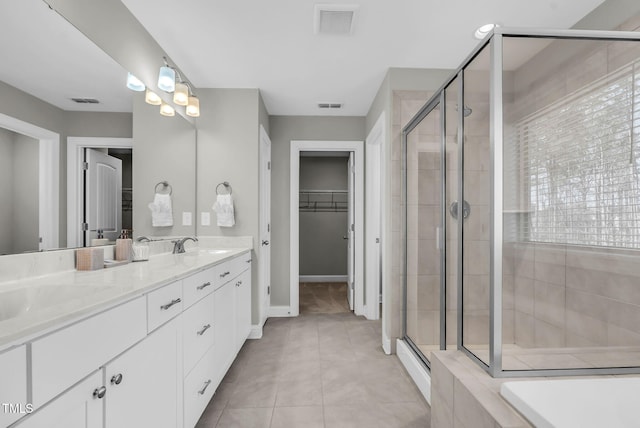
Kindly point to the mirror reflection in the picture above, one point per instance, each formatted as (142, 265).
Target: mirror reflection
(66, 139)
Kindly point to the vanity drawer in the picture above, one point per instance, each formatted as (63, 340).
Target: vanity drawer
(63, 358)
(198, 286)
(227, 271)
(199, 387)
(164, 304)
(13, 387)
(197, 331)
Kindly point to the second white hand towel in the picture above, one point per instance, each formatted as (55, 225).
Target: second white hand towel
(161, 211)
(224, 209)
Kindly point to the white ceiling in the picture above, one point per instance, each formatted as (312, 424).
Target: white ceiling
(44, 55)
(271, 45)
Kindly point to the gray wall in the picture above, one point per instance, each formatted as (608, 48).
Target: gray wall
(283, 129)
(164, 150)
(6, 189)
(228, 150)
(323, 251)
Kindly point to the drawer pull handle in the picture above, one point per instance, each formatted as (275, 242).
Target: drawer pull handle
(100, 392)
(222, 275)
(206, 284)
(116, 379)
(204, 328)
(173, 302)
(206, 385)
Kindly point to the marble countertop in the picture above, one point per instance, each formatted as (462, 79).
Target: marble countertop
(35, 306)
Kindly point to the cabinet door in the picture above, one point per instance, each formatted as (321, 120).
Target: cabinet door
(243, 308)
(224, 324)
(13, 385)
(76, 408)
(143, 388)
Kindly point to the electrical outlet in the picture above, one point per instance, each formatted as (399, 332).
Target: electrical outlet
(205, 218)
(186, 218)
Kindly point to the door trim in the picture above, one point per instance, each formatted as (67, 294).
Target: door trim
(75, 191)
(48, 179)
(298, 146)
(264, 272)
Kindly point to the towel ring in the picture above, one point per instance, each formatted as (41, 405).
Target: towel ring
(226, 186)
(164, 184)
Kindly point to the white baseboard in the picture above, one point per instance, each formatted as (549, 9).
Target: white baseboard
(386, 344)
(323, 278)
(256, 332)
(280, 311)
(416, 369)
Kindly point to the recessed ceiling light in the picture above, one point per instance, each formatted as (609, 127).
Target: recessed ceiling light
(483, 31)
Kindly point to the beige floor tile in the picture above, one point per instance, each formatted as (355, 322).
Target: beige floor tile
(254, 394)
(405, 415)
(299, 393)
(303, 417)
(355, 416)
(245, 418)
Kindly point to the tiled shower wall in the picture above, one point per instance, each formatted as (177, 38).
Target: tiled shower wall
(570, 296)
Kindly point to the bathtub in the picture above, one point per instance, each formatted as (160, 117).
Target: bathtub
(567, 403)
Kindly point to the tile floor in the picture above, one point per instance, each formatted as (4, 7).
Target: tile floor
(317, 370)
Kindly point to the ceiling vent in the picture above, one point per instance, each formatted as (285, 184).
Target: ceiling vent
(329, 105)
(85, 100)
(334, 18)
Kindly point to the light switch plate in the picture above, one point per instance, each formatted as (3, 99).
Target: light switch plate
(205, 218)
(186, 218)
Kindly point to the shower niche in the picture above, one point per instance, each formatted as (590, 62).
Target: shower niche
(521, 207)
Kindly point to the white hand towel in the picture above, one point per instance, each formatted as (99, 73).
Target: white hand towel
(161, 211)
(224, 208)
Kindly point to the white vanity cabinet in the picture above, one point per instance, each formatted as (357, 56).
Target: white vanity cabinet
(144, 384)
(80, 407)
(13, 385)
(243, 308)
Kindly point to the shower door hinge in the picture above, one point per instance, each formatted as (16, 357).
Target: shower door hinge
(85, 227)
(85, 166)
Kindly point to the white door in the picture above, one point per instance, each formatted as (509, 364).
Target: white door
(264, 271)
(351, 251)
(373, 224)
(103, 195)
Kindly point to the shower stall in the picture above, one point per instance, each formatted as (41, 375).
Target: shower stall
(521, 207)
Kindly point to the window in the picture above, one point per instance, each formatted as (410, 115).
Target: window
(580, 161)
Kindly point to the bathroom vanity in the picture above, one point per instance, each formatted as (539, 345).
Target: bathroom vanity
(147, 345)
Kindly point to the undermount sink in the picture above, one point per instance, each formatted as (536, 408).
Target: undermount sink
(21, 301)
(208, 251)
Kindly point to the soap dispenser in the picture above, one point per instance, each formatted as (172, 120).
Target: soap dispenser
(124, 246)
(100, 240)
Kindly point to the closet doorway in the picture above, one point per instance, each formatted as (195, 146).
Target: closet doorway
(327, 222)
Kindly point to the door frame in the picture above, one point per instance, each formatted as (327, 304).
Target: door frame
(374, 229)
(75, 183)
(264, 268)
(298, 146)
(48, 179)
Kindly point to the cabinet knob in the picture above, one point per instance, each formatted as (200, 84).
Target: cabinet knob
(100, 392)
(173, 302)
(204, 388)
(116, 379)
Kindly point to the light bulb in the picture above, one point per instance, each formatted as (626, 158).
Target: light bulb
(167, 79)
(134, 83)
(181, 94)
(193, 107)
(152, 98)
(167, 110)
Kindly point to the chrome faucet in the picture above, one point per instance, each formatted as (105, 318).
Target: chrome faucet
(142, 239)
(178, 244)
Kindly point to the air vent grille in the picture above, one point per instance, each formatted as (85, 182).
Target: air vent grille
(330, 105)
(85, 100)
(334, 19)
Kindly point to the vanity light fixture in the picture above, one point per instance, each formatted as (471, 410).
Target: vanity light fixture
(167, 110)
(181, 94)
(483, 30)
(193, 107)
(152, 98)
(167, 77)
(134, 83)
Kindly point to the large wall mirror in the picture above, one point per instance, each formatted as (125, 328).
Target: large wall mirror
(64, 105)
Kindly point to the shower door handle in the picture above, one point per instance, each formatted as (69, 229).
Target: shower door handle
(466, 209)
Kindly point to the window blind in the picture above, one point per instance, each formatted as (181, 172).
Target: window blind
(578, 162)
